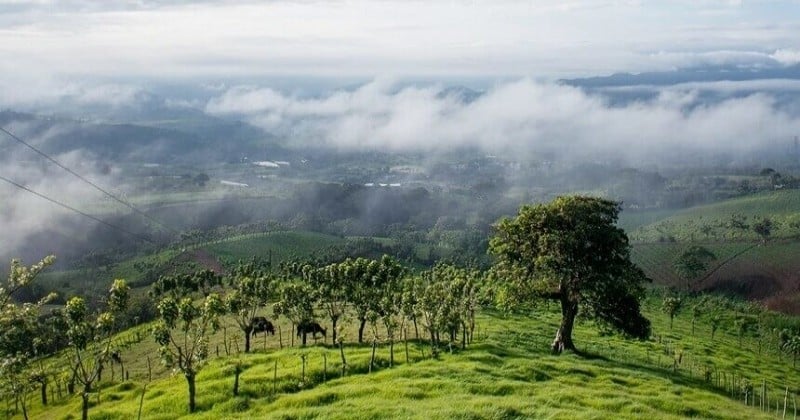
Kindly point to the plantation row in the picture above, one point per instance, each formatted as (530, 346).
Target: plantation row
(381, 294)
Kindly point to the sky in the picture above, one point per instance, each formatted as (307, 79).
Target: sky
(210, 40)
(347, 64)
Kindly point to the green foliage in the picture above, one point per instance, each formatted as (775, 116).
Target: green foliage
(693, 262)
(671, 307)
(90, 337)
(251, 286)
(571, 251)
(296, 302)
(763, 228)
(19, 329)
(185, 322)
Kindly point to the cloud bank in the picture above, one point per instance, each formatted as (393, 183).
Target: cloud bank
(539, 118)
(24, 215)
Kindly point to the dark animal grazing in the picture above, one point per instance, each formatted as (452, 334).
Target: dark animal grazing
(310, 328)
(115, 357)
(260, 324)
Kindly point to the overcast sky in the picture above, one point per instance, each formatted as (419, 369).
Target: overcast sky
(176, 40)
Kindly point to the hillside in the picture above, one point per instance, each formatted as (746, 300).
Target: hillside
(507, 372)
(712, 221)
(141, 270)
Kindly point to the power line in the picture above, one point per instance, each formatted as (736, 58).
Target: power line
(82, 178)
(68, 207)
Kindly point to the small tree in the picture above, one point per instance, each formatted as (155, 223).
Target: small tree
(296, 302)
(671, 307)
(389, 305)
(251, 289)
(792, 346)
(571, 251)
(330, 284)
(18, 330)
(90, 337)
(697, 311)
(692, 263)
(763, 229)
(185, 323)
(364, 279)
(742, 324)
(412, 290)
(429, 306)
(716, 320)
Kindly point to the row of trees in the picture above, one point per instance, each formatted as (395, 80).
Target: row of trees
(380, 293)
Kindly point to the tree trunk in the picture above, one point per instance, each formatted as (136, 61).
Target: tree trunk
(563, 340)
(44, 392)
(391, 352)
(416, 330)
(247, 334)
(85, 400)
(24, 407)
(192, 391)
(237, 371)
(433, 344)
(334, 319)
(361, 329)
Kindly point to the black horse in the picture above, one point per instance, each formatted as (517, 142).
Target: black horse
(310, 327)
(260, 324)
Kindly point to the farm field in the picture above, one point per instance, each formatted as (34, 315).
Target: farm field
(751, 270)
(507, 372)
(281, 245)
(782, 207)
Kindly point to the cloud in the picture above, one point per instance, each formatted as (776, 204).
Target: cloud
(46, 95)
(538, 118)
(786, 56)
(23, 215)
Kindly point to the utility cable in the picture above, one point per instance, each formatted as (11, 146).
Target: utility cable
(82, 178)
(73, 209)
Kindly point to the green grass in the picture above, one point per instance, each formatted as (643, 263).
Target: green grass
(507, 372)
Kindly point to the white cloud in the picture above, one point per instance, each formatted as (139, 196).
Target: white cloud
(787, 56)
(522, 115)
(24, 215)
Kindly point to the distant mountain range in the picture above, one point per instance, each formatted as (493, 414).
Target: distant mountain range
(200, 138)
(697, 74)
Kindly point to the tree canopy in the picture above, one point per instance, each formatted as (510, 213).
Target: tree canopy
(570, 250)
(693, 262)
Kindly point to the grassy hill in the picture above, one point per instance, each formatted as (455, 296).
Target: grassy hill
(687, 225)
(281, 244)
(507, 372)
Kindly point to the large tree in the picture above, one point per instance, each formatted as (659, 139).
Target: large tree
(571, 251)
